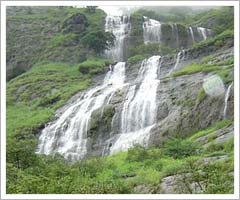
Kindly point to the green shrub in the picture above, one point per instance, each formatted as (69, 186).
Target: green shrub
(93, 66)
(179, 148)
(137, 58)
(201, 95)
(229, 145)
(206, 59)
(213, 146)
(137, 153)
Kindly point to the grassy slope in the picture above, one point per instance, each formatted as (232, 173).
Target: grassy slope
(39, 35)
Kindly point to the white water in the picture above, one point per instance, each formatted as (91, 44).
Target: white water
(203, 32)
(192, 34)
(120, 27)
(68, 134)
(226, 101)
(139, 110)
(180, 57)
(175, 31)
(151, 31)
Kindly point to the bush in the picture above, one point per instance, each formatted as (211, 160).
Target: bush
(137, 153)
(93, 66)
(179, 148)
(137, 58)
(98, 40)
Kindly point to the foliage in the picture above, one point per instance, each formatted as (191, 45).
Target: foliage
(221, 68)
(216, 126)
(211, 178)
(137, 58)
(195, 68)
(91, 9)
(201, 95)
(99, 40)
(151, 49)
(221, 19)
(93, 66)
(137, 153)
(222, 37)
(122, 172)
(43, 34)
(178, 148)
(46, 85)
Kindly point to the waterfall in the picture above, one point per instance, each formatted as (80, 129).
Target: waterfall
(175, 34)
(68, 134)
(180, 57)
(203, 32)
(226, 101)
(139, 110)
(120, 27)
(151, 31)
(192, 34)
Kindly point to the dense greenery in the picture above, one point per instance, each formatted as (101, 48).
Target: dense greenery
(217, 19)
(54, 34)
(119, 173)
(99, 40)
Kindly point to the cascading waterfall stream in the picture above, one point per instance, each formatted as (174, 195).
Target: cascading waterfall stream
(203, 32)
(151, 31)
(120, 27)
(226, 101)
(68, 134)
(192, 34)
(180, 57)
(139, 110)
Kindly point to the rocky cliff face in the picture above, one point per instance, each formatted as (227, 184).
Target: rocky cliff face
(180, 111)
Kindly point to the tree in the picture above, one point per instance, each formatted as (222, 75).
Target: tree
(91, 9)
(179, 148)
(98, 40)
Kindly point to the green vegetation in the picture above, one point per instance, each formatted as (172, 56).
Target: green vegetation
(217, 41)
(137, 58)
(195, 68)
(93, 66)
(121, 172)
(54, 34)
(221, 68)
(179, 148)
(54, 84)
(221, 18)
(98, 41)
(150, 49)
(64, 57)
(201, 95)
(215, 127)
